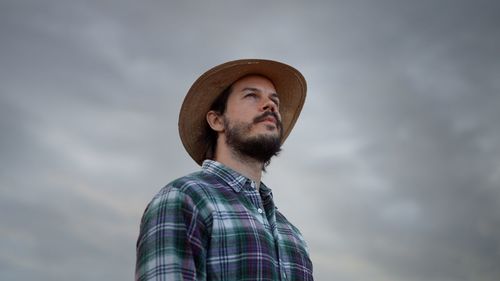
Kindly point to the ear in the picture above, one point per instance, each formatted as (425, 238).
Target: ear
(214, 120)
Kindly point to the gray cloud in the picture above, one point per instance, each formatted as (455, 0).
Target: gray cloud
(392, 172)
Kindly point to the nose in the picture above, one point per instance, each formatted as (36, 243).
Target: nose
(270, 105)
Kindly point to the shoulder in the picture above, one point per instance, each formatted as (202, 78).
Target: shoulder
(280, 218)
(285, 227)
(179, 207)
(189, 192)
(195, 186)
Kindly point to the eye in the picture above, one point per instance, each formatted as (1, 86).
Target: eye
(276, 100)
(250, 95)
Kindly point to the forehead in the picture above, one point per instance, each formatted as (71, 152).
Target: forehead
(258, 82)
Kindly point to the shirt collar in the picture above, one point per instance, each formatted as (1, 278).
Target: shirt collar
(232, 178)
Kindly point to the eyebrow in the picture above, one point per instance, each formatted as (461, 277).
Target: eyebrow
(250, 89)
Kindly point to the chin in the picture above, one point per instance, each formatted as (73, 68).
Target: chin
(269, 136)
(268, 129)
(267, 132)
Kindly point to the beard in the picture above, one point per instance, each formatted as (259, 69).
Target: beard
(261, 147)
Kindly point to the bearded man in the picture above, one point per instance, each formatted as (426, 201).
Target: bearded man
(220, 223)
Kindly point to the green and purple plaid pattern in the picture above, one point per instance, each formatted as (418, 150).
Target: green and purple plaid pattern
(214, 225)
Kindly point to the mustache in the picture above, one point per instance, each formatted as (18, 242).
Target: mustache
(266, 114)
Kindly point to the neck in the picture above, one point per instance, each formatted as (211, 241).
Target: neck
(242, 164)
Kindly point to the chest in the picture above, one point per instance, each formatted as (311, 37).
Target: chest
(251, 240)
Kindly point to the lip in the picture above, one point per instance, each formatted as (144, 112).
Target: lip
(270, 119)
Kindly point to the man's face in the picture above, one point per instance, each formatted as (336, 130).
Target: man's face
(252, 123)
(254, 101)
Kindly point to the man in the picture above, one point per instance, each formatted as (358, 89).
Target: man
(221, 223)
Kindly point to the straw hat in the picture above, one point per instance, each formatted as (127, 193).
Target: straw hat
(289, 83)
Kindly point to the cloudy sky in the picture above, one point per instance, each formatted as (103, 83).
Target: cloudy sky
(392, 172)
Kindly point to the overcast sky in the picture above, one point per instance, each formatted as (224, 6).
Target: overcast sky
(392, 171)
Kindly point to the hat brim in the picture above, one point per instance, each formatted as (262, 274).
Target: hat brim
(289, 83)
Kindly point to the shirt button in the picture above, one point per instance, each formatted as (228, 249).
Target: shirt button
(252, 184)
(260, 210)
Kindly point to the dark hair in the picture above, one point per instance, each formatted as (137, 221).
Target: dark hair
(219, 106)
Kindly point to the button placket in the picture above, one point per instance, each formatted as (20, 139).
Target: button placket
(259, 209)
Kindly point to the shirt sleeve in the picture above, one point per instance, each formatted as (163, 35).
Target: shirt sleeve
(172, 239)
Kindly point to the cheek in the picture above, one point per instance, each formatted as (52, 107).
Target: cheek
(235, 119)
(241, 114)
(279, 116)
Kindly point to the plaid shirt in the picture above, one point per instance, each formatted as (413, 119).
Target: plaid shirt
(214, 225)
